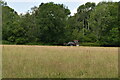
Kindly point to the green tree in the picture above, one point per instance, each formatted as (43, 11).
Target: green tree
(79, 23)
(8, 18)
(51, 21)
(103, 21)
(11, 29)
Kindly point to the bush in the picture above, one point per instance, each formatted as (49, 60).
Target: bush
(89, 44)
(34, 43)
(6, 42)
(20, 41)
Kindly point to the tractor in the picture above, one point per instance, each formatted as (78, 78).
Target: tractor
(72, 43)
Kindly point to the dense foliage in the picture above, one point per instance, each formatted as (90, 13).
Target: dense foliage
(52, 24)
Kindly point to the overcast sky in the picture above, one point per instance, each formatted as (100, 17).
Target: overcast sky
(22, 6)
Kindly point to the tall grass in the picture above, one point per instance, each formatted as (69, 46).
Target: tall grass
(59, 62)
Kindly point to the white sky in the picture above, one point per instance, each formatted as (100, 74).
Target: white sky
(22, 6)
(58, 0)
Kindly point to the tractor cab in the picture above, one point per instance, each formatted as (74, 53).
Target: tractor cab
(72, 43)
(76, 42)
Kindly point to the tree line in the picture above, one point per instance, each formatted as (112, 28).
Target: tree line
(50, 23)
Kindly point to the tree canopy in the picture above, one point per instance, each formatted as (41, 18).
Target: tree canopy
(51, 23)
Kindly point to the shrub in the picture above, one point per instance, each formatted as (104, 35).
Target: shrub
(6, 42)
(20, 41)
(89, 44)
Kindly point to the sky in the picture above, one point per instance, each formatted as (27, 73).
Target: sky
(22, 6)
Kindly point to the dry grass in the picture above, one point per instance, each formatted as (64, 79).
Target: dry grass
(59, 62)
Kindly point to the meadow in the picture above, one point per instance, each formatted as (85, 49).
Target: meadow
(22, 61)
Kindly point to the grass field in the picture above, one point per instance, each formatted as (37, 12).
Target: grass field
(59, 62)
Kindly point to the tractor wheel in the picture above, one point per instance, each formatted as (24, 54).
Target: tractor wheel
(71, 45)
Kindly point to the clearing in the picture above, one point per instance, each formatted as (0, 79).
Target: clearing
(22, 61)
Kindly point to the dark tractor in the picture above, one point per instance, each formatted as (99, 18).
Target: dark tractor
(72, 43)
